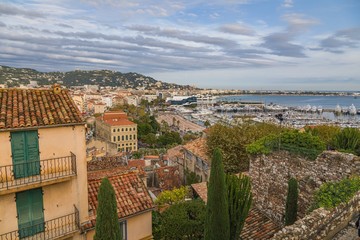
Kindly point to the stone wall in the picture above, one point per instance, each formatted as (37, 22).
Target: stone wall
(270, 176)
(321, 224)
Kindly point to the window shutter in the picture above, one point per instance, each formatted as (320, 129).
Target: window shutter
(18, 154)
(32, 149)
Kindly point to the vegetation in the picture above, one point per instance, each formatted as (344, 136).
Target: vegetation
(217, 224)
(81, 78)
(239, 200)
(107, 223)
(191, 177)
(326, 133)
(331, 194)
(348, 140)
(183, 221)
(232, 140)
(292, 141)
(291, 207)
(174, 196)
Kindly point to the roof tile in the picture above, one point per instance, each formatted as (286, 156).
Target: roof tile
(21, 108)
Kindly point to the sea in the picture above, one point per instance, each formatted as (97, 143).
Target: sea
(326, 102)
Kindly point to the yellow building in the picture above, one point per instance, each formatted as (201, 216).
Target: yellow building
(115, 127)
(43, 177)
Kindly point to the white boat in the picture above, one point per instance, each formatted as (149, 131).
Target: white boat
(352, 109)
(338, 109)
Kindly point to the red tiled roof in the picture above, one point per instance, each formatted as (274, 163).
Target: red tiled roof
(131, 195)
(21, 108)
(118, 122)
(258, 226)
(199, 148)
(201, 190)
(114, 114)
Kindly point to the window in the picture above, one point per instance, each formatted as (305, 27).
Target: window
(122, 129)
(134, 136)
(118, 129)
(122, 137)
(114, 130)
(123, 230)
(29, 206)
(130, 137)
(118, 138)
(126, 129)
(25, 153)
(126, 137)
(134, 129)
(114, 138)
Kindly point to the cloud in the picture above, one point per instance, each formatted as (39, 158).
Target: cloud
(281, 43)
(237, 28)
(7, 9)
(336, 43)
(184, 35)
(288, 3)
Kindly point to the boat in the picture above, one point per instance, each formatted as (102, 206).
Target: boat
(352, 110)
(338, 109)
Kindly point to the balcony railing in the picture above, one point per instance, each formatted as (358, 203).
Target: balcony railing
(36, 172)
(52, 229)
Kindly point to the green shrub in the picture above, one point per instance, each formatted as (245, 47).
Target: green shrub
(176, 195)
(348, 140)
(183, 221)
(293, 141)
(331, 194)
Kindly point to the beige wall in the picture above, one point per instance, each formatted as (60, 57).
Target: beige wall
(58, 198)
(138, 227)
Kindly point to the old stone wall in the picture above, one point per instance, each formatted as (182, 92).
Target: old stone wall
(270, 174)
(321, 224)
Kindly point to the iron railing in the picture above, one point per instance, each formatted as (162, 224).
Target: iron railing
(37, 171)
(52, 229)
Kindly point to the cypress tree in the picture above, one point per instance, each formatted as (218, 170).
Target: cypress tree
(291, 202)
(217, 225)
(239, 200)
(107, 222)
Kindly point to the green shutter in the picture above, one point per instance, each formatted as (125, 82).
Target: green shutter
(29, 206)
(25, 153)
(18, 154)
(32, 150)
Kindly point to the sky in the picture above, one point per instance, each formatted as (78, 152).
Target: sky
(227, 44)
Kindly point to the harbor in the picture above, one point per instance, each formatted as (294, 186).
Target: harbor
(285, 110)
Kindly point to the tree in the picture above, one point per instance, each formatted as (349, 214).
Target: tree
(232, 140)
(191, 177)
(291, 207)
(239, 200)
(207, 124)
(183, 221)
(107, 222)
(217, 216)
(174, 196)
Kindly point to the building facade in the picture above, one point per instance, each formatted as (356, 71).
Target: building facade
(43, 174)
(117, 128)
(134, 204)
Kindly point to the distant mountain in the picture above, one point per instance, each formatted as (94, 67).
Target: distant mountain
(22, 76)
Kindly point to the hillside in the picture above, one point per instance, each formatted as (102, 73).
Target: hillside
(22, 76)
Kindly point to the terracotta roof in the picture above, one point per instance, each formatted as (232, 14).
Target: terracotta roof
(258, 226)
(114, 114)
(199, 148)
(22, 108)
(118, 122)
(131, 196)
(201, 190)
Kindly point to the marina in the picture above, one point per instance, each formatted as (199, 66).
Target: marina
(295, 111)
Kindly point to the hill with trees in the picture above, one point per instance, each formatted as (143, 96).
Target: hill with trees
(15, 77)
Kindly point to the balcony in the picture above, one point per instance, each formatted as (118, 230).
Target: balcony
(58, 228)
(19, 177)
